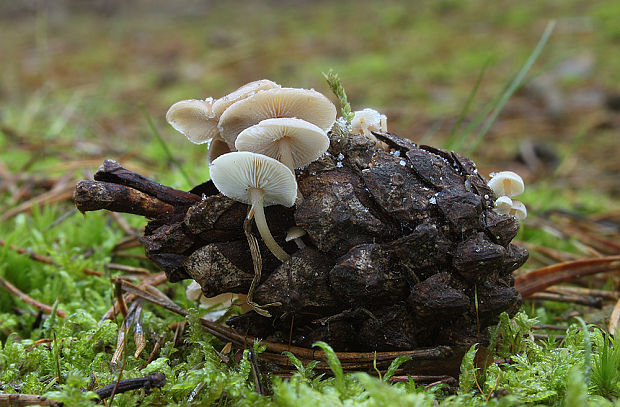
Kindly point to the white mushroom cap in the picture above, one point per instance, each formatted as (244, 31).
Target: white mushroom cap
(503, 204)
(194, 118)
(305, 104)
(518, 210)
(294, 142)
(368, 120)
(506, 183)
(234, 174)
(217, 147)
(193, 291)
(223, 103)
(294, 232)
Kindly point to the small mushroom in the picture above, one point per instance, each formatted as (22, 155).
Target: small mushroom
(217, 147)
(367, 120)
(506, 183)
(259, 181)
(294, 142)
(518, 210)
(223, 103)
(305, 104)
(503, 204)
(195, 119)
(193, 291)
(295, 233)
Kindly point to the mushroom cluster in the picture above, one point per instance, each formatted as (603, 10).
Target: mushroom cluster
(268, 132)
(508, 184)
(394, 245)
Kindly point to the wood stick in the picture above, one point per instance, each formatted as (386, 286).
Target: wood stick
(540, 279)
(420, 379)
(44, 259)
(123, 224)
(580, 299)
(16, 400)
(557, 255)
(126, 243)
(349, 359)
(95, 195)
(111, 171)
(29, 300)
(126, 268)
(566, 289)
(153, 279)
(46, 198)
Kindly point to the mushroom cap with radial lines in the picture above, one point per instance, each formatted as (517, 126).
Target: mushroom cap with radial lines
(306, 104)
(235, 173)
(223, 103)
(295, 232)
(195, 119)
(306, 141)
(506, 183)
(518, 210)
(503, 204)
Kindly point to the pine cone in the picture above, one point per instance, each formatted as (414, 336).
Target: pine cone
(399, 246)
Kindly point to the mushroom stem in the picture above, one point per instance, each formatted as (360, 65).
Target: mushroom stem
(286, 156)
(507, 187)
(300, 243)
(256, 198)
(257, 262)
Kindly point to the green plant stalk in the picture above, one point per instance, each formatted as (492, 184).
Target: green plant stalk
(165, 146)
(587, 350)
(514, 85)
(334, 82)
(465, 110)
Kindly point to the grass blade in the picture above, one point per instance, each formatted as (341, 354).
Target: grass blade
(163, 144)
(514, 85)
(465, 110)
(334, 365)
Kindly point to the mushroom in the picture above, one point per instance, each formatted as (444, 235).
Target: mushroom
(367, 120)
(217, 147)
(503, 204)
(518, 210)
(295, 233)
(193, 291)
(195, 119)
(223, 103)
(294, 142)
(506, 183)
(305, 104)
(259, 181)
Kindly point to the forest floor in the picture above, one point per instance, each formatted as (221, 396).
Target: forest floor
(80, 87)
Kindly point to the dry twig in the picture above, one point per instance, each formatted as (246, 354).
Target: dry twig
(540, 279)
(44, 259)
(29, 300)
(349, 360)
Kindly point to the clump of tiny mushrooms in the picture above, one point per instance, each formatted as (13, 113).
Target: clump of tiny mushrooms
(507, 184)
(258, 135)
(368, 120)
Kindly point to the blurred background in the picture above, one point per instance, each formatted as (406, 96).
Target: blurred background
(78, 80)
